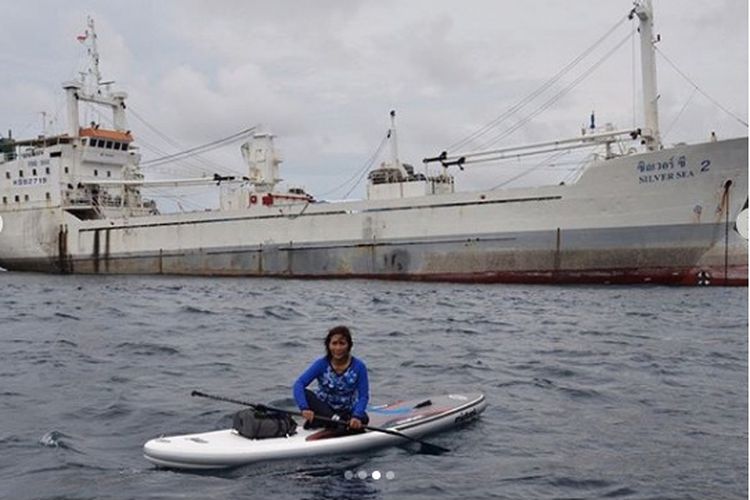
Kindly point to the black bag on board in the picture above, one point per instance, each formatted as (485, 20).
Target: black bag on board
(256, 424)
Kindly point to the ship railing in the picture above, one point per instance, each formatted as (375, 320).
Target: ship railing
(115, 202)
(77, 202)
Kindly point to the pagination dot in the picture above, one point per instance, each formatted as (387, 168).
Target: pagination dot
(376, 475)
(362, 474)
(390, 474)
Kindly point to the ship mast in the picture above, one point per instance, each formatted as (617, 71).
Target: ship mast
(88, 88)
(645, 14)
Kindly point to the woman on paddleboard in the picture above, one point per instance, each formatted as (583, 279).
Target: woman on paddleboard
(343, 389)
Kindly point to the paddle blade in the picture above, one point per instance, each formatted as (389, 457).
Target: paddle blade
(431, 449)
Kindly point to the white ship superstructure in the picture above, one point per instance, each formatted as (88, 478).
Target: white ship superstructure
(648, 214)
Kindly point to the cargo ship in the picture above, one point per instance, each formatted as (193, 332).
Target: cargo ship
(639, 212)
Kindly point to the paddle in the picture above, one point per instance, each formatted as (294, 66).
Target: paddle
(428, 448)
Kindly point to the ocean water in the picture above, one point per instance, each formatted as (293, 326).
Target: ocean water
(594, 392)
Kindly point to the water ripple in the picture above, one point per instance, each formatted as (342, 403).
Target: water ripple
(594, 392)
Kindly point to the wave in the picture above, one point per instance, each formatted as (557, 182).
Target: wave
(147, 348)
(56, 439)
(67, 316)
(197, 310)
(282, 312)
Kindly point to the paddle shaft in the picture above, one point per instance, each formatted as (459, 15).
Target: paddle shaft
(258, 406)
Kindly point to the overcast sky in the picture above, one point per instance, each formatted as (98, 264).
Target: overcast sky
(323, 75)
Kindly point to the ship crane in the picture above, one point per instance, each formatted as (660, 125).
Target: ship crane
(586, 141)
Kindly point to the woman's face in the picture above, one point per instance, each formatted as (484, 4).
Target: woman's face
(339, 347)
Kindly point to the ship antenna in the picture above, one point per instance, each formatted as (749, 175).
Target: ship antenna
(89, 39)
(394, 141)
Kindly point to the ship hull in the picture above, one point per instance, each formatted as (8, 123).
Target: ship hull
(677, 255)
(621, 223)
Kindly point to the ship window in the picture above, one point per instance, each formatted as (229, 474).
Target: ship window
(33, 172)
(109, 173)
(84, 141)
(46, 170)
(7, 175)
(96, 173)
(66, 170)
(26, 197)
(18, 198)
(109, 144)
(5, 200)
(48, 196)
(20, 173)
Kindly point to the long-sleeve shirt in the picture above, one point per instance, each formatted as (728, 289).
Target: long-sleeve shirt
(347, 392)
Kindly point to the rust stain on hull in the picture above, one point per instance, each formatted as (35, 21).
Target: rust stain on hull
(687, 276)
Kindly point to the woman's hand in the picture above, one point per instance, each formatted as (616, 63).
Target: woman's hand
(355, 423)
(308, 415)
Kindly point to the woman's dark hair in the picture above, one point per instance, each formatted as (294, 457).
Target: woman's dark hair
(338, 330)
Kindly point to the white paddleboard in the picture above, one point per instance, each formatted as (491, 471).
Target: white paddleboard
(226, 448)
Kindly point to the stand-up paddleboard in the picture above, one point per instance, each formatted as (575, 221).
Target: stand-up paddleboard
(226, 448)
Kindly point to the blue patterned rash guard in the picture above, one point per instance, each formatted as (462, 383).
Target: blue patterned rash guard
(348, 392)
